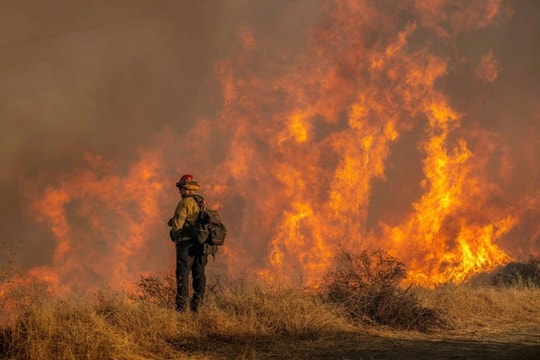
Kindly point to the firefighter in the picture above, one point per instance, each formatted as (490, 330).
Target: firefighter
(189, 255)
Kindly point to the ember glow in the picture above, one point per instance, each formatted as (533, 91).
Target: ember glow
(343, 130)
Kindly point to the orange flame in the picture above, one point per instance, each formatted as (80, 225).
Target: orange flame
(443, 244)
(98, 244)
(305, 135)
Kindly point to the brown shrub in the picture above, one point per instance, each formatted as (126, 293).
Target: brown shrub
(157, 290)
(367, 285)
(519, 274)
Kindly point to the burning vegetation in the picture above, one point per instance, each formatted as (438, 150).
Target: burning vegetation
(369, 158)
(344, 130)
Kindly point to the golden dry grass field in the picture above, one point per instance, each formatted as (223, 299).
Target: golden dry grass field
(244, 321)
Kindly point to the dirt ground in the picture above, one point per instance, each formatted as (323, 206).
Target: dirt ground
(506, 342)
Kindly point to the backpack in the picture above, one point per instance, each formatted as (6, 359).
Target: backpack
(208, 229)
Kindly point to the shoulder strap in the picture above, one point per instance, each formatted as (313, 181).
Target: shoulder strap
(200, 201)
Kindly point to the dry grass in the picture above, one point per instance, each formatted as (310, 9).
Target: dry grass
(109, 328)
(292, 312)
(113, 326)
(241, 320)
(474, 306)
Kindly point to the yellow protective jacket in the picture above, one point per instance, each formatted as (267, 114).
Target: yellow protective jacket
(185, 215)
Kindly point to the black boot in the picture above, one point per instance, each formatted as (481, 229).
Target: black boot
(196, 302)
(181, 304)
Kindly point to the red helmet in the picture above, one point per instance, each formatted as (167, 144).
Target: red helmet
(184, 180)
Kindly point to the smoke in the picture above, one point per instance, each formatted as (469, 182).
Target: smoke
(102, 78)
(312, 124)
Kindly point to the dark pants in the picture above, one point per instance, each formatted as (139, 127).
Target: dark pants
(188, 259)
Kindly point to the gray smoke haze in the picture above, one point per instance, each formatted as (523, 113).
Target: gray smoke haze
(110, 79)
(102, 77)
